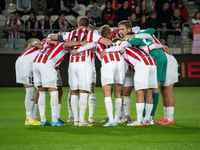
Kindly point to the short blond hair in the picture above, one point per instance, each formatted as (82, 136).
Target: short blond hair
(105, 30)
(83, 21)
(126, 23)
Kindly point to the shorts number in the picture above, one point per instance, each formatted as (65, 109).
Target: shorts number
(30, 80)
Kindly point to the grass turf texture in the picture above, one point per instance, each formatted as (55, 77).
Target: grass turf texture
(185, 134)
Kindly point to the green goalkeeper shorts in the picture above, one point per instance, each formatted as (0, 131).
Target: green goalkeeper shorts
(161, 61)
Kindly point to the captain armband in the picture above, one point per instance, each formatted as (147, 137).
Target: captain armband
(60, 37)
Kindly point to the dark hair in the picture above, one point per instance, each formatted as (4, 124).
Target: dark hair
(124, 1)
(130, 33)
(32, 13)
(116, 39)
(17, 12)
(61, 13)
(165, 2)
(86, 12)
(12, 13)
(94, 2)
(195, 15)
(134, 10)
(152, 13)
(49, 15)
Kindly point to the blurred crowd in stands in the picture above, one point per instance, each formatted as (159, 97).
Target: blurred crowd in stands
(53, 14)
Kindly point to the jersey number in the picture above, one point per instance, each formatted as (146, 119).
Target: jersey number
(76, 38)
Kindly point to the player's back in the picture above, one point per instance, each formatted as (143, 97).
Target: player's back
(83, 35)
(53, 54)
(111, 56)
(138, 58)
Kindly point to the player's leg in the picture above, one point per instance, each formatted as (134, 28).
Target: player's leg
(168, 103)
(128, 87)
(60, 93)
(54, 107)
(42, 105)
(105, 120)
(35, 109)
(92, 103)
(161, 61)
(83, 108)
(73, 83)
(84, 73)
(164, 104)
(71, 117)
(127, 103)
(121, 116)
(75, 105)
(149, 105)
(118, 102)
(167, 88)
(155, 100)
(108, 102)
(30, 91)
(139, 108)
(92, 97)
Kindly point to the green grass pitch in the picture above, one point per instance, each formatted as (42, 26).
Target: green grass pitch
(184, 135)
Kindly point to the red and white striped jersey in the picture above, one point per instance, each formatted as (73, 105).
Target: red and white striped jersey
(116, 35)
(32, 52)
(16, 22)
(138, 58)
(110, 56)
(83, 35)
(157, 41)
(52, 54)
(29, 55)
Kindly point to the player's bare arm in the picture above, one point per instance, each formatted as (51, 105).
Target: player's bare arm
(128, 37)
(69, 44)
(86, 47)
(105, 41)
(34, 44)
(52, 41)
(37, 45)
(53, 37)
(103, 53)
(119, 48)
(167, 49)
(75, 52)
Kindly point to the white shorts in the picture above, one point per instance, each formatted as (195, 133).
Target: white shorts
(24, 72)
(94, 74)
(113, 72)
(145, 78)
(59, 81)
(45, 75)
(80, 76)
(172, 71)
(129, 81)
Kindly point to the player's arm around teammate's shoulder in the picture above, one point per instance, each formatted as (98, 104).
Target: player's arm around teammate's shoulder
(86, 47)
(35, 44)
(69, 44)
(105, 41)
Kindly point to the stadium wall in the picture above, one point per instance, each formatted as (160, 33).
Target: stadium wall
(189, 70)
